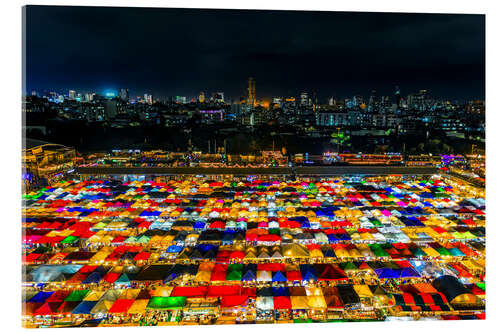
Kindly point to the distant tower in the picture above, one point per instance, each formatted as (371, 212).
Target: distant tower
(251, 91)
(397, 97)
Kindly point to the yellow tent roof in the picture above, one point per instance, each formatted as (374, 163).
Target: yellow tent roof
(314, 291)
(163, 291)
(299, 302)
(94, 295)
(431, 252)
(203, 276)
(316, 302)
(139, 306)
(294, 251)
(129, 293)
(362, 290)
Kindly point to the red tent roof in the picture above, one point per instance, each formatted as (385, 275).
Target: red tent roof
(121, 306)
(48, 308)
(189, 291)
(273, 267)
(111, 277)
(142, 256)
(218, 291)
(293, 276)
(233, 300)
(58, 296)
(282, 302)
(331, 273)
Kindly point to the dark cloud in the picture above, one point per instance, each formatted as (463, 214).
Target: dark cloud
(184, 51)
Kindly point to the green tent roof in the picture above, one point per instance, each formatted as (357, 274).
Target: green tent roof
(70, 239)
(166, 303)
(350, 266)
(234, 276)
(443, 251)
(123, 279)
(235, 267)
(76, 295)
(143, 239)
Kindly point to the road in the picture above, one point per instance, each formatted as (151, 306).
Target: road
(310, 170)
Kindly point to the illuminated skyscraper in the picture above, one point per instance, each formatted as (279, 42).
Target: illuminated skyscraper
(304, 99)
(397, 97)
(72, 94)
(251, 91)
(219, 97)
(201, 98)
(148, 99)
(181, 99)
(124, 94)
(90, 97)
(372, 102)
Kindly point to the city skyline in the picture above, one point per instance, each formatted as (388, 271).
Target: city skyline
(374, 51)
(210, 96)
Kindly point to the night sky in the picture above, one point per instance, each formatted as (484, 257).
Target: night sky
(170, 52)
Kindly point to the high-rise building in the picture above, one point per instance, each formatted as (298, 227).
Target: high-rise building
(201, 98)
(251, 92)
(72, 94)
(397, 97)
(304, 99)
(124, 94)
(90, 97)
(180, 99)
(421, 99)
(219, 97)
(110, 108)
(357, 100)
(278, 101)
(372, 100)
(148, 98)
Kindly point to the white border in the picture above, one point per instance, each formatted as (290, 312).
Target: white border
(11, 122)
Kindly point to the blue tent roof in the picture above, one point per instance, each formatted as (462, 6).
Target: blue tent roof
(329, 252)
(93, 277)
(174, 249)
(344, 236)
(279, 277)
(206, 247)
(249, 276)
(332, 238)
(388, 273)
(408, 272)
(280, 291)
(301, 219)
(307, 272)
(199, 225)
(84, 307)
(40, 297)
